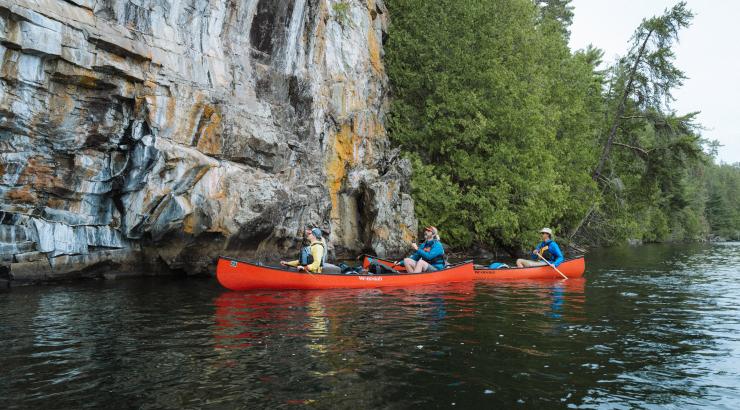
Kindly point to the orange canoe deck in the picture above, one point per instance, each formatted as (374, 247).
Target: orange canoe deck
(572, 268)
(238, 275)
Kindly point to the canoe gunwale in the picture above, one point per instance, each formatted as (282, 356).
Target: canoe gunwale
(333, 275)
(575, 258)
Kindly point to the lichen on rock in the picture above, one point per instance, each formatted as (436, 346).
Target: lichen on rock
(163, 134)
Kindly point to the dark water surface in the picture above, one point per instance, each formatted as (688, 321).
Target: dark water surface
(651, 326)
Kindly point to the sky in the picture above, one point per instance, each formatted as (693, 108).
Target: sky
(708, 52)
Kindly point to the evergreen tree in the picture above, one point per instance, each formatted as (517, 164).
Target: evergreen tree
(509, 131)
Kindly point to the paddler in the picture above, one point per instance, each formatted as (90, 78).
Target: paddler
(313, 256)
(548, 249)
(427, 257)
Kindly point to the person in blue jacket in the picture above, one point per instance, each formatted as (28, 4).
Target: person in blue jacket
(427, 257)
(549, 250)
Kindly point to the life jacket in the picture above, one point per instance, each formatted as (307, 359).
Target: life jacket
(438, 260)
(546, 254)
(306, 258)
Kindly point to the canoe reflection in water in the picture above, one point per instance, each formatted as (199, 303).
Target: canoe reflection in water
(305, 346)
(247, 319)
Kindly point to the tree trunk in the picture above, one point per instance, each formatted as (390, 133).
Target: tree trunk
(620, 111)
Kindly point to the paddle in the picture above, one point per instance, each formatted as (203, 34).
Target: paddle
(551, 265)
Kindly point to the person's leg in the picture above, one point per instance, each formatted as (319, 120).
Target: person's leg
(331, 268)
(409, 264)
(421, 266)
(526, 263)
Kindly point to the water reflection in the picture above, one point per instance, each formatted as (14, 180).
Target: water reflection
(648, 327)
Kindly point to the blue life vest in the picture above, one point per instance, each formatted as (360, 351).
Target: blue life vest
(438, 260)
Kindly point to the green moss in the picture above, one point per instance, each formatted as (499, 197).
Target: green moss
(342, 13)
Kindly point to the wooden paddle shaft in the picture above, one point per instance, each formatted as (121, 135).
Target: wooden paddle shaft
(552, 266)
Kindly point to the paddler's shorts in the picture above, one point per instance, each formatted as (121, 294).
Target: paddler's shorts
(528, 263)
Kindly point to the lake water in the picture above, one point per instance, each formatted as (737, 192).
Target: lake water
(649, 326)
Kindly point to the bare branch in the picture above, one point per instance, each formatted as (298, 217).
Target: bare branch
(643, 153)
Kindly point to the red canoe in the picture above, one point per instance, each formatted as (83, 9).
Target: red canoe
(572, 268)
(238, 275)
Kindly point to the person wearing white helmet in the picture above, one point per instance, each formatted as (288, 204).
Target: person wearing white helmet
(548, 249)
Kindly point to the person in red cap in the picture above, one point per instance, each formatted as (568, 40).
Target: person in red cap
(427, 257)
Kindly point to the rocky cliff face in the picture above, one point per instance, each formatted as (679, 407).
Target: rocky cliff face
(172, 131)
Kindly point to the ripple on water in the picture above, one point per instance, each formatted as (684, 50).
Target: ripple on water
(649, 327)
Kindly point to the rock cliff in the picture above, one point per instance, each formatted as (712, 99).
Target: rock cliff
(167, 132)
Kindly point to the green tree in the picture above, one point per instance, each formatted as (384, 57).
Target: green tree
(509, 130)
(646, 76)
(497, 115)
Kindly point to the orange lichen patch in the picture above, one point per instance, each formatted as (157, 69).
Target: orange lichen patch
(171, 111)
(374, 49)
(208, 135)
(87, 81)
(60, 106)
(193, 119)
(392, 188)
(39, 173)
(201, 173)
(218, 195)
(406, 233)
(320, 33)
(342, 157)
(23, 195)
(56, 203)
(382, 233)
(188, 224)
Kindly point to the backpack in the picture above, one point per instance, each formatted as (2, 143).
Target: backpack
(306, 258)
(376, 268)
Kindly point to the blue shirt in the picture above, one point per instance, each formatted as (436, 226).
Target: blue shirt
(556, 255)
(434, 256)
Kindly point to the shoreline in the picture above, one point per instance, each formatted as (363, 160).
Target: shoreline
(142, 269)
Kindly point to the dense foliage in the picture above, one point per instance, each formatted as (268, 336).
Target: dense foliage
(507, 128)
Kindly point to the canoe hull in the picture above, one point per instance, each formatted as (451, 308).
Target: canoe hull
(238, 275)
(572, 268)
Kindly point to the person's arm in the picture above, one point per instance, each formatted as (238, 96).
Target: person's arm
(557, 253)
(537, 251)
(436, 251)
(415, 256)
(317, 251)
(292, 263)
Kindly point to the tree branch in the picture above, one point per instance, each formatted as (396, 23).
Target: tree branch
(643, 153)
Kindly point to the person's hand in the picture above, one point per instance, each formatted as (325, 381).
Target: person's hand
(415, 246)
(300, 268)
(283, 263)
(396, 263)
